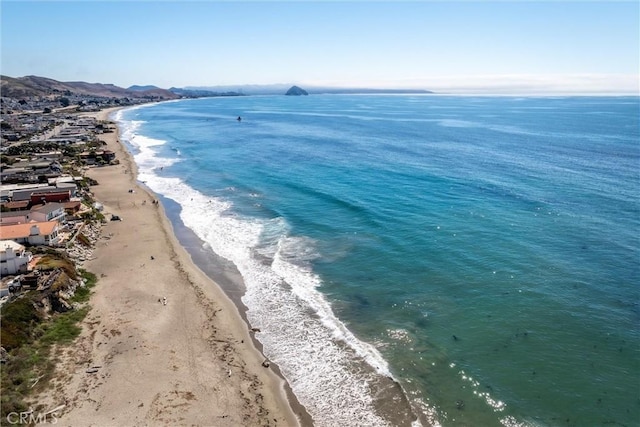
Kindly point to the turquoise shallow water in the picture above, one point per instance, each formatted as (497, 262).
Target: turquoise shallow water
(483, 252)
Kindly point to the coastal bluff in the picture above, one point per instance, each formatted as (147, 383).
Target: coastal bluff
(296, 91)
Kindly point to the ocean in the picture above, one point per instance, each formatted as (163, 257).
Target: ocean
(419, 260)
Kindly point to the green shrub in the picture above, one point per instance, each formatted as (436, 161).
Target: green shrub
(91, 278)
(63, 327)
(83, 293)
(28, 339)
(19, 319)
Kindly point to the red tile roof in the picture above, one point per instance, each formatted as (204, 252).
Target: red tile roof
(21, 231)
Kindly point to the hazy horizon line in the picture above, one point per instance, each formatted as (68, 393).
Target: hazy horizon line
(496, 84)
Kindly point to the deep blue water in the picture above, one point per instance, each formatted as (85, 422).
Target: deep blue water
(481, 251)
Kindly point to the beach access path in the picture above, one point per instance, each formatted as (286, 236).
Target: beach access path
(190, 361)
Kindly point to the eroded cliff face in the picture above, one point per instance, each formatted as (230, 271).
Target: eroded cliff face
(36, 298)
(60, 299)
(58, 284)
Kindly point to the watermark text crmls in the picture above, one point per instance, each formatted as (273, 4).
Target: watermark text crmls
(29, 417)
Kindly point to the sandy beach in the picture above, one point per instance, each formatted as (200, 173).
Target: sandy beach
(168, 347)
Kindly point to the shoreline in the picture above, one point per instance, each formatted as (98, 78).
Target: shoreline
(225, 274)
(226, 277)
(193, 361)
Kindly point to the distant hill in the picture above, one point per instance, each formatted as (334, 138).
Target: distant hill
(272, 89)
(41, 86)
(197, 93)
(296, 91)
(142, 88)
(21, 87)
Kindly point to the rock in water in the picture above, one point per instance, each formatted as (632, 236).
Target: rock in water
(296, 91)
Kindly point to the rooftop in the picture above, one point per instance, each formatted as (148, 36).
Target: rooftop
(5, 244)
(48, 207)
(21, 231)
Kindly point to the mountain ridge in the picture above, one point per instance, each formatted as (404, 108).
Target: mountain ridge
(19, 87)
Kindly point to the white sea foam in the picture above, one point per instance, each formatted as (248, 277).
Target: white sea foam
(145, 149)
(321, 359)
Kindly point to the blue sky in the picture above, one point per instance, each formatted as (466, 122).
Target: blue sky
(467, 47)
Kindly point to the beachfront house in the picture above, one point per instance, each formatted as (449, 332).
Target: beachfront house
(44, 194)
(33, 233)
(9, 191)
(13, 258)
(96, 157)
(15, 217)
(48, 212)
(39, 213)
(14, 206)
(72, 208)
